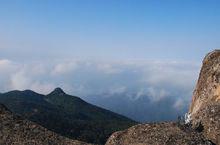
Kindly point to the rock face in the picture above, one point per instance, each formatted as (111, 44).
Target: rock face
(158, 134)
(205, 106)
(203, 118)
(207, 90)
(16, 131)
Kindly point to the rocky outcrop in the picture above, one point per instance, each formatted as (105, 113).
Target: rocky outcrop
(209, 118)
(207, 90)
(202, 122)
(205, 106)
(158, 134)
(16, 131)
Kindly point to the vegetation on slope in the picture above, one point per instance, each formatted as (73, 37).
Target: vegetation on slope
(67, 115)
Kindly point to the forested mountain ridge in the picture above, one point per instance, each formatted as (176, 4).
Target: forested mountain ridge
(17, 131)
(67, 115)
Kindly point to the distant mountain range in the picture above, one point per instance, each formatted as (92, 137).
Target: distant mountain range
(67, 115)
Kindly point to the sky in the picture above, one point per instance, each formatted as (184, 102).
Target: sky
(109, 29)
(107, 48)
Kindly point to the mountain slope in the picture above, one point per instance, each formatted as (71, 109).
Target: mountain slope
(76, 105)
(16, 131)
(65, 114)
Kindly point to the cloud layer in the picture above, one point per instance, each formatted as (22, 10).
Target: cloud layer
(132, 80)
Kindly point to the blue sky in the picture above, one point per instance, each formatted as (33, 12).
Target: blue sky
(109, 29)
(104, 49)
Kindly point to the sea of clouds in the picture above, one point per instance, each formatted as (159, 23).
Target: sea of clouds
(131, 79)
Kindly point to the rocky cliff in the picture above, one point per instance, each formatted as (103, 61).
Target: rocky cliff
(202, 126)
(207, 90)
(205, 106)
(16, 131)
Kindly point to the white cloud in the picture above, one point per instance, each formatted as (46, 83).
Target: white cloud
(144, 82)
(156, 94)
(64, 67)
(154, 79)
(107, 68)
(4, 63)
(43, 88)
(38, 69)
(6, 68)
(179, 104)
(20, 81)
(117, 90)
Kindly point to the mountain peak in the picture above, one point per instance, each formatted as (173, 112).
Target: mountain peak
(213, 55)
(58, 91)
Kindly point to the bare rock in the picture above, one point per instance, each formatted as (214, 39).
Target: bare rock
(207, 90)
(205, 106)
(209, 117)
(167, 133)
